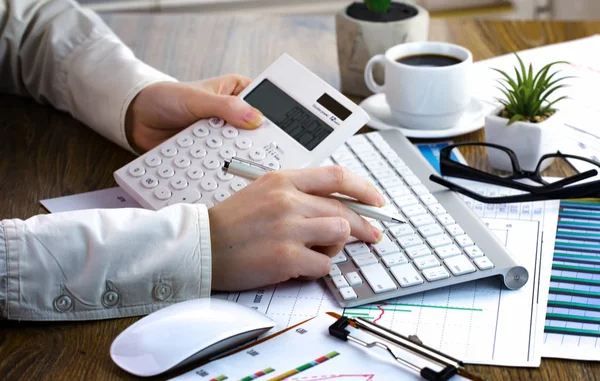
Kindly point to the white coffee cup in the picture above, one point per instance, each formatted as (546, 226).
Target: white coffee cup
(424, 97)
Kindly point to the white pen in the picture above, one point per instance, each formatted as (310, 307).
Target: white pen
(252, 171)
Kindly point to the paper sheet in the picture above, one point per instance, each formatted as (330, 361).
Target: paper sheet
(293, 351)
(580, 113)
(105, 199)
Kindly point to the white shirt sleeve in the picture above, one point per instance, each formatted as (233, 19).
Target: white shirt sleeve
(103, 263)
(60, 53)
(90, 264)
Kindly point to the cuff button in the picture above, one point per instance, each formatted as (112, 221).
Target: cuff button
(162, 291)
(63, 303)
(110, 298)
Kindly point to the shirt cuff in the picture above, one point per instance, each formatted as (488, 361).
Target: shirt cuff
(103, 76)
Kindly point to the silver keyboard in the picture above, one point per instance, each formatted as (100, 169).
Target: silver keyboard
(444, 242)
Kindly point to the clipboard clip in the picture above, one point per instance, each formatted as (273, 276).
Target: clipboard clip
(450, 366)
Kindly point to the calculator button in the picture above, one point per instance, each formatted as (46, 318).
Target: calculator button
(339, 258)
(153, 160)
(214, 142)
(185, 141)
(208, 204)
(258, 154)
(188, 196)
(137, 171)
(353, 278)
(459, 265)
(208, 184)
(149, 182)
(195, 173)
(348, 293)
(197, 152)
(216, 122)
(406, 275)
(168, 150)
(272, 163)
(200, 131)
(378, 278)
(162, 193)
(211, 163)
(339, 281)
(182, 162)
(237, 185)
(483, 263)
(224, 176)
(227, 153)
(222, 195)
(229, 132)
(165, 172)
(243, 143)
(179, 183)
(435, 273)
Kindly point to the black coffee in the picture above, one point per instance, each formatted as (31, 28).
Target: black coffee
(429, 60)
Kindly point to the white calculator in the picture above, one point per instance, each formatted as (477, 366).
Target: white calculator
(306, 120)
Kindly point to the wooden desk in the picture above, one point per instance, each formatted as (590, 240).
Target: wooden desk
(47, 154)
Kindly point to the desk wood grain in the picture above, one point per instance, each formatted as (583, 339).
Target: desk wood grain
(45, 153)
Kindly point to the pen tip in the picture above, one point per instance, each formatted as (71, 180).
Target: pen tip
(398, 220)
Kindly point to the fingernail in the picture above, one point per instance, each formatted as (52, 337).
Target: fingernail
(378, 236)
(253, 117)
(381, 200)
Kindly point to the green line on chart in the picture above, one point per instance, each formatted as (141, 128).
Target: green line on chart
(582, 306)
(551, 315)
(571, 331)
(577, 234)
(559, 254)
(568, 279)
(566, 291)
(393, 305)
(582, 269)
(355, 313)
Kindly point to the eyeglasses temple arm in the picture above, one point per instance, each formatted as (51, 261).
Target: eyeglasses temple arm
(572, 179)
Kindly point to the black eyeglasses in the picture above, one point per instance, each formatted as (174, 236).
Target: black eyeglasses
(507, 172)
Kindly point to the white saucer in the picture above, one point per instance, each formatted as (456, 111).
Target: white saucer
(382, 119)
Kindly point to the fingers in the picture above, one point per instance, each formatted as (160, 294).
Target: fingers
(231, 108)
(336, 179)
(323, 231)
(316, 206)
(310, 263)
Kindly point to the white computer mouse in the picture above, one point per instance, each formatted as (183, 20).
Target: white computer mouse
(184, 332)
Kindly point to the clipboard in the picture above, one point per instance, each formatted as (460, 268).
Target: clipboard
(332, 348)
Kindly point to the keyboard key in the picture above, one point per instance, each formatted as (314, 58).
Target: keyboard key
(405, 200)
(435, 273)
(378, 278)
(421, 190)
(426, 262)
(411, 180)
(459, 265)
(394, 259)
(339, 281)
(445, 219)
(483, 263)
(406, 275)
(423, 219)
(364, 259)
(348, 293)
(401, 230)
(417, 251)
(428, 199)
(413, 210)
(335, 270)
(430, 230)
(391, 182)
(385, 247)
(353, 278)
(398, 191)
(339, 258)
(473, 251)
(454, 230)
(436, 209)
(464, 240)
(447, 251)
(439, 240)
(384, 174)
(409, 240)
(357, 248)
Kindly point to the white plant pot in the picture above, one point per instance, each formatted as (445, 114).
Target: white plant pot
(358, 41)
(529, 141)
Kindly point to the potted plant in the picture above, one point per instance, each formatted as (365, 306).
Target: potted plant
(527, 121)
(364, 29)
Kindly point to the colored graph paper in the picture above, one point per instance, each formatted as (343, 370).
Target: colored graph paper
(257, 374)
(573, 314)
(308, 365)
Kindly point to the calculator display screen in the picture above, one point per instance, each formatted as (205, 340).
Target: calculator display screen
(289, 115)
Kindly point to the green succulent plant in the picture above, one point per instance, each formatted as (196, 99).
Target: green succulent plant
(378, 6)
(527, 94)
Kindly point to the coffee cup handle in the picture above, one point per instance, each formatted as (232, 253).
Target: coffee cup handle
(369, 80)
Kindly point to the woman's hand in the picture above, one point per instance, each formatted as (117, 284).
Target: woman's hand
(279, 227)
(163, 109)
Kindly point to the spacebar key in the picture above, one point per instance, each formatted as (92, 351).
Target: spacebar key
(378, 278)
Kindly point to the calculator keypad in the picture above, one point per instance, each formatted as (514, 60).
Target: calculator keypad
(187, 168)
